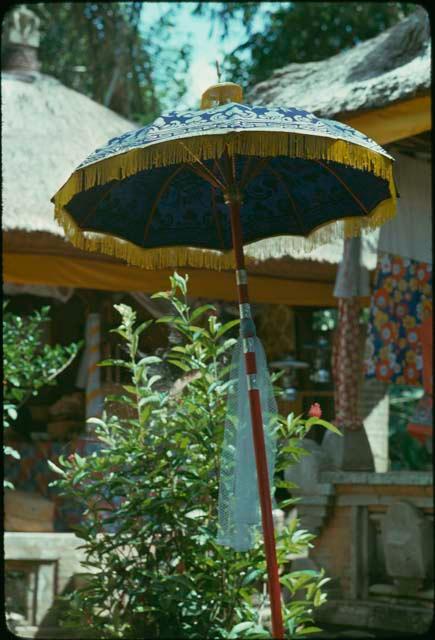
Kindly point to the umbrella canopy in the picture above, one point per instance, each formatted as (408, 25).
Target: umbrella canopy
(300, 174)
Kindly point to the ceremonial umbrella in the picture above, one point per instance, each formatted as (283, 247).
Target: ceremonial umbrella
(215, 179)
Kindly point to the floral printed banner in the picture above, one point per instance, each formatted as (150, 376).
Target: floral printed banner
(401, 301)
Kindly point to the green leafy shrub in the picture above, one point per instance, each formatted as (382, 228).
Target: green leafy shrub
(27, 365)
(159, 572)
(404, 450)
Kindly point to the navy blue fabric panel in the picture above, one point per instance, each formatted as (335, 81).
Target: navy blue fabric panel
(168, 206)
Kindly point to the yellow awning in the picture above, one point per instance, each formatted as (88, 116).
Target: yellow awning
(27, 268)
(395, 121)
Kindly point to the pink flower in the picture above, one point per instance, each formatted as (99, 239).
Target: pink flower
(315, 411)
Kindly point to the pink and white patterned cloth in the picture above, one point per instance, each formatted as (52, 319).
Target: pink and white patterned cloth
(351, 282)
(346, 365)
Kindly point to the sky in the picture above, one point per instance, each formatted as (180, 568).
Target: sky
(206, 47)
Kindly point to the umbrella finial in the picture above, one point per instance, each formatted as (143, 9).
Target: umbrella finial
(218, 71)
(221, 93)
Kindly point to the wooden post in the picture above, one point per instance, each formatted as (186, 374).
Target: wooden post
(248, 331)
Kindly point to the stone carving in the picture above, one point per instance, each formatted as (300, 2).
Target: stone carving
(21, 26)
(408, 546)
(21, 34)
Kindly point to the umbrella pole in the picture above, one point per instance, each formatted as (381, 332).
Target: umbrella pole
(248, 331)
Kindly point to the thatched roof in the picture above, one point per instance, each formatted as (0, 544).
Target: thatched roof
(47, 131)
(392, 67)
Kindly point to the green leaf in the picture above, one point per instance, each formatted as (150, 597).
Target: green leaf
(242, 626)
(181, 282)
(164, 295)
(150, 360)
(200, 310)
(142, 327)
(98, 421)
(9, 451)
(179, 349)
(113, 362)
(12, 413)
(251, 576)
(323, 423)
(305, 572)
(285, 484)
(166, 319)
(129, 389)
(195, 514)
(226, 327)
(179, 364)
(289, 501)
(153, 397)
(153, 380)
(55, 468)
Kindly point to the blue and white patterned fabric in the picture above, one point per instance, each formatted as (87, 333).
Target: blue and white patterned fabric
(230, 118)
(167, 206)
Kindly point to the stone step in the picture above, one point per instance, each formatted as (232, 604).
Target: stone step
(29, 631)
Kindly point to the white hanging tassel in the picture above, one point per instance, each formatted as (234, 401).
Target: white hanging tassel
(239, 506)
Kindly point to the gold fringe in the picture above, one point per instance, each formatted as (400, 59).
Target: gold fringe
(160, 258)
(279, 246)
(206, 147)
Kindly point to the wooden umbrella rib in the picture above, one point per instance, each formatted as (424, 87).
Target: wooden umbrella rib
(216, 217)
(207, 176)
(357, 200)
(226, 170)
(245, 172)
(159, 196)
(248, 176)
(205, 168)
(219, 168)
(95, 207)
(297, 215)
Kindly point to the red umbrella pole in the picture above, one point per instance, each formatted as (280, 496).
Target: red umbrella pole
(248, 331)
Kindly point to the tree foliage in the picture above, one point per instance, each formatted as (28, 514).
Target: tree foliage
(150, 500)
(405, 452)
(298, 32)
(27, 364)
(105, 51)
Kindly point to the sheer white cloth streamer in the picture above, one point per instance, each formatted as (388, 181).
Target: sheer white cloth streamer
(239, 508)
